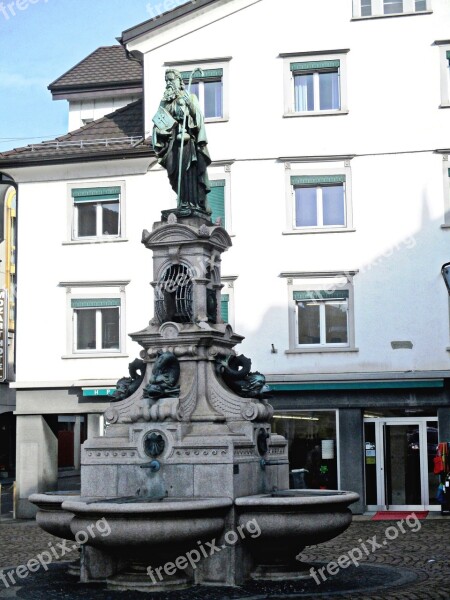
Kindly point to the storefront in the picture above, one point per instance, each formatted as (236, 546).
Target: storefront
(376, 438)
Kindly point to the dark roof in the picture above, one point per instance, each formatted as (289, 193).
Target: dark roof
(172, 15)
(117, 135)
(106, 67)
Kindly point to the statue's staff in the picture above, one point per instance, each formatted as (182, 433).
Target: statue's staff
(183, 130)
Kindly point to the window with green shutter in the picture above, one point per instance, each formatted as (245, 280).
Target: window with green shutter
(224, 301)
(216, 200)
(96, 212)
(209, 90)
(96, 324)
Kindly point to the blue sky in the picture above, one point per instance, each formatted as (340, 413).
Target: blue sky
(39, 41)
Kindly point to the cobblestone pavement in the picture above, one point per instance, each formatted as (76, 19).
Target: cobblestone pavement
(413, 564)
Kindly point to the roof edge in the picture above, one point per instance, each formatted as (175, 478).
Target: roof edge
(160, 20)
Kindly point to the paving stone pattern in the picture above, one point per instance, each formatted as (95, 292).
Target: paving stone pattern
(413, 566)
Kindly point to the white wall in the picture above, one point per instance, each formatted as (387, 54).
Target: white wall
(95, 109)
(398, 245)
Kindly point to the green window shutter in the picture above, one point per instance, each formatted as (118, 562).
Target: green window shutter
(317, 179)
(207, 74)
(95, 302)
(216, 200)
(320, 295)
(315, 65)
(224, 300)
(95, 194)
(448, 54)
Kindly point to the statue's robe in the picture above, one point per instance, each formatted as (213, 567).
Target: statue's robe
(194, 177)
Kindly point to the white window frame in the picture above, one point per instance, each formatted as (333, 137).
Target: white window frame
(310, 281)
(444, 69)
(409, 8)
(222, 171)
(314, 169)
(446, 179)
(72, 219)
(206, 64)
(94, 290)
(228, 288)
(289, 85)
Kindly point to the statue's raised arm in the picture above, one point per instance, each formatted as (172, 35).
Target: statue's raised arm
(181, 145)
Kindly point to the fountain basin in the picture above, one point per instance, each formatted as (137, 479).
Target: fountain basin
(289, 520)
(168, 524)
(51, 517)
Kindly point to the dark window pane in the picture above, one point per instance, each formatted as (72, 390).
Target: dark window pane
(110, 214)
(333, 205)
(86, 329)
(329, 91)
(87, 219)
(305, 207)
(421, 5)
(336, 323)
(110, 328)
(308, 323)
(304, 92)
(393, 6)
(194, 89)
(366, 8)
(213, 99)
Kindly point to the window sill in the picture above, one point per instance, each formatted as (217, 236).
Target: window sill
(444, 105)
(316, 113)
(321, 350)
(309, 231)
(217, 120)
(94, 241)
(404, 14)
(95, 355)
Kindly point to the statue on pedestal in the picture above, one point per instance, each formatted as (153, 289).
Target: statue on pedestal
(180, 143)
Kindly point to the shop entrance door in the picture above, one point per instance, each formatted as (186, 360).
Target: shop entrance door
(399, 462)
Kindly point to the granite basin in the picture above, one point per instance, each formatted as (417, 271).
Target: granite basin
(288, 521)
(167, 525)
(50, 515)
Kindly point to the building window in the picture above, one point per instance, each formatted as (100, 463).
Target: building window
(366, 8)
(312, 447)
(224, 301)
(209, 90)
(321, 312)
(322, 317)
(96, 212)
(444, 59)
(95, 319)
(315, 84)
(211, 86)
(318, 200)
(216, 200)
(96, 324)
(380, 8)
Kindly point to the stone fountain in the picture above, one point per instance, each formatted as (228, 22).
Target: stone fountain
(189, 477)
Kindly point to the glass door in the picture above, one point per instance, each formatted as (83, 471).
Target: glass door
(398, 458)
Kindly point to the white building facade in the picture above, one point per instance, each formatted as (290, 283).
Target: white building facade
(327, 127)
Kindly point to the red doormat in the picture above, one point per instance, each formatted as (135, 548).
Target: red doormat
(391, 515)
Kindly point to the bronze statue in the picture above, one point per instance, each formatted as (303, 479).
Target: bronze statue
(179, 140)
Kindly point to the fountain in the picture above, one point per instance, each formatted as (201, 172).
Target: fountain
(189, 477)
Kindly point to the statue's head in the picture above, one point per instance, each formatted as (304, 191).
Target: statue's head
(174, 84)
